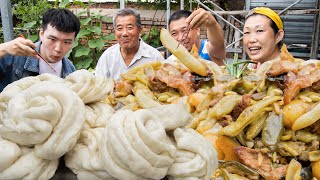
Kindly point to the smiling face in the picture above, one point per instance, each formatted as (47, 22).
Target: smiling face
(55, 44)
(178, 28)
(127, 32)
(260, 40)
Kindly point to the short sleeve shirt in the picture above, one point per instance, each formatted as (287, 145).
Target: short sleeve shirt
(203, 52)
(111, 63)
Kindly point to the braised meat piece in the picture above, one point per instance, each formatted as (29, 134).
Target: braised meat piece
(305, 78)
(285, 55)
(242, 105)
(218, 92)
(282, 67)
(316, 127)
(316, 86)
(158, 85)
(123, 88)
(260, 162)
(225, 120)
(172, 77)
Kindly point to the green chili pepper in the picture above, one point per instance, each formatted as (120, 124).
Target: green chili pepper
(306, 136)
(241, 138)
(248, 116)
(238, 168)
(292, 148)
(256, 127)
(287, 135)
(224, 106)
(224, 174)
(272, 131)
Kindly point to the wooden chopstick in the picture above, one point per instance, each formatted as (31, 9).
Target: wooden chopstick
(185, 35)
(188, 29)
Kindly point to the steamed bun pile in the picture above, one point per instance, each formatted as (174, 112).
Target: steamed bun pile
(143, 144)
(23, 163)
(43, 118)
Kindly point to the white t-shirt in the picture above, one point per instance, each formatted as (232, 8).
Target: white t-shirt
(44, 68)
(111, 63)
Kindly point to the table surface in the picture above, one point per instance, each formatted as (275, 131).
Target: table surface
(63, 173)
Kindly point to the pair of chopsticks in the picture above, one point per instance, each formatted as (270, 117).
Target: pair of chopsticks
(185, 34)
(40, 56)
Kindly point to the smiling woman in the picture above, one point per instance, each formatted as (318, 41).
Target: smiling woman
(263, 34)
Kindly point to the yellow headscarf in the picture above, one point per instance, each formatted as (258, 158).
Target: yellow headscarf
(270, 14)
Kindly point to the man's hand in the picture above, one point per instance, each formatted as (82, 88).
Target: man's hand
(216, 47)
(18, 47)
(199, 18)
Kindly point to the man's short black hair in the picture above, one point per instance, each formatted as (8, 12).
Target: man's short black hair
(179, 14)
(62, 19)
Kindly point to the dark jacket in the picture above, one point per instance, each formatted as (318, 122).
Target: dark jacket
(13, 68)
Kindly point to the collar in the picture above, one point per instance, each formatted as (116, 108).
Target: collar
(143, 50)
(32, 64)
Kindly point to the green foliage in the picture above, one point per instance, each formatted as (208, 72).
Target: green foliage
(90, 40)
(152, 37)
(29, 15)
(237, 67)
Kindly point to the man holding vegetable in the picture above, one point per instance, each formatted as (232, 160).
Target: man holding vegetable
(183, 20)
(21, 57)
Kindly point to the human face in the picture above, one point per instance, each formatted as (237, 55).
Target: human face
(178, 28)
(259, 39)
(127, 32)
(55, 44)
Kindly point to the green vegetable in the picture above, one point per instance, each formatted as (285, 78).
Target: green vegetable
(290, 148)
(237, 67)
(238, 168)
(224, 106)
(306, 136)
(241, 138)
(256, 127)
(248, 116)
(272, 131)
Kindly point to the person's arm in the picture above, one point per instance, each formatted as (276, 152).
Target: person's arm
(18, 47)
(216, 46)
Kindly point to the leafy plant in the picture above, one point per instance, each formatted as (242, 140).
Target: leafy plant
(29, 15)
(152, 37)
